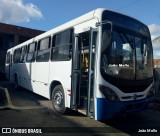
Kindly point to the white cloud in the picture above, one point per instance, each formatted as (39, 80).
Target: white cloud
(154, 30)
(156, 43)
(154, 36)
(15, 11)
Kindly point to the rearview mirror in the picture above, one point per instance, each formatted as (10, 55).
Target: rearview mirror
(145, 49)
(145, 53)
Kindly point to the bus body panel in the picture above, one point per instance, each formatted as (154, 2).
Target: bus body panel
(24, 74)
(41, 78)
(41, 89)
(61, 71)
(122, 96)
(42, 72)
(85, 26)
(107, 110)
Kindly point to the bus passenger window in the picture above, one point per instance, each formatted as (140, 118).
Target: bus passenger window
(8, 58)
(61, 47)
(43, 52)
(31, 52)
(23, 54)
(16, 56)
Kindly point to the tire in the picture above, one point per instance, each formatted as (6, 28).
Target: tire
(58, 100)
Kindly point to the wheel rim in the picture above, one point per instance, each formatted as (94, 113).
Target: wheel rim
(58, 99)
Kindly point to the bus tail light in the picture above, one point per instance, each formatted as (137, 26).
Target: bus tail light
(108, 93)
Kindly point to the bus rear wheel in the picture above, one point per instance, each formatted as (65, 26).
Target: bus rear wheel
(58, 100)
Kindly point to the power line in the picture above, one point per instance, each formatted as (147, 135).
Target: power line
(127, 5)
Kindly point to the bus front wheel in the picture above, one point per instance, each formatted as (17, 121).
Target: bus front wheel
(58, 100)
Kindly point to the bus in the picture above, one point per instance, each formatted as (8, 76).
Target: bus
(100, 64)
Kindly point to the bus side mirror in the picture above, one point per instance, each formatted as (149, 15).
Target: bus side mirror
(145, 49)
(145, 53)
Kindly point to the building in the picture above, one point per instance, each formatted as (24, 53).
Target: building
(156, 63)
(11, 35)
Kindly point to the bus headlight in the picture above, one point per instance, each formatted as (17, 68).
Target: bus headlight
(108, 93)
(151, 92)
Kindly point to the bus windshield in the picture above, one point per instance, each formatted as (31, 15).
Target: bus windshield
(126, 53)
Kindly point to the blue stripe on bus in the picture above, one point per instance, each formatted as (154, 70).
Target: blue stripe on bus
(107, 110)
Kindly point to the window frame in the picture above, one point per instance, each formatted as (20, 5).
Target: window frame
(15, 55)
(8, 58)
(24, 55)
(33, 52)
(70, 44)
(40, 50)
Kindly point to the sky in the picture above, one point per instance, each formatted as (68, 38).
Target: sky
(47, 14)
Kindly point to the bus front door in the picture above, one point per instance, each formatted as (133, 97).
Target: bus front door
(82, 95)
(91, 68)
(76, 73)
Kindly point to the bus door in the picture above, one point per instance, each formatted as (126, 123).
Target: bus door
(91, 65)
(76, 72)
(82, 96)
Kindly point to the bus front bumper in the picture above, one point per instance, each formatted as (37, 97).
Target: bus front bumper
(107, 110)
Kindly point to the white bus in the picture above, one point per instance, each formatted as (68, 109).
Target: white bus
(99, 64)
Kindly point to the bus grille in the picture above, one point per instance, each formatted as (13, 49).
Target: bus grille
(132, 88)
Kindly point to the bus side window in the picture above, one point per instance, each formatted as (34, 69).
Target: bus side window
(61, 46)
(23, 54)
(43, 51)
(8, 61)
(31, 52)
(16, 56)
